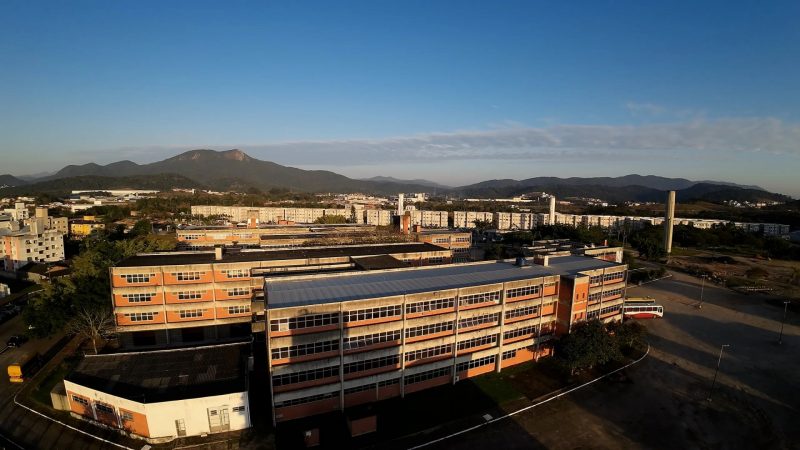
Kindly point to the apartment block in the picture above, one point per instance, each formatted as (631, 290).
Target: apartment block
(170, 298)
(31, 243)
(337, 341)
(435, 219)
(466, 219)
(269, 236)
(379, 217)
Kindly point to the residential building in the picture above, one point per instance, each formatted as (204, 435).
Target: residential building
(31, 243)
(165, 394)
(80, 228)
(379, 217)
(466, 219)
(435, 219)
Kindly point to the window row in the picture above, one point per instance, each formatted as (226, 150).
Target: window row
(522, 312)
(477, 342)
(369, 364)
(188, 276)
(483, 297)
(190, 313)
(309, 399)
(308, 321)
(429, 329)
(238, 309)
(138, 277)
(593, 298)
(237, 273)
(478, 320)
(372, 313)
(190, 295)
(595, 279)
(430, 305)
(614, 276)
(371, 339)
(232, 292)
(480, 362)
(603, 311)
(429, 375)
(429, 352)
(139, 297)
(523, 291)
(306, 375)
(295, 351)
(533, 329)
(612, 292)
(140, 317)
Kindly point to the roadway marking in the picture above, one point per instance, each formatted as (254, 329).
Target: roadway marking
(531, 406)
(4, 350)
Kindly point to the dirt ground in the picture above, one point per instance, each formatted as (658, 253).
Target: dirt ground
(663, 401)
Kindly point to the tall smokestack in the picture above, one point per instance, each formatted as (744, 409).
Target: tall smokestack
(400, 205)
(552, 210)
(669, 221)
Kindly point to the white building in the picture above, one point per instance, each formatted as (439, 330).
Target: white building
(5, 291)
(434, 219)
(381, 217)
(30, 244)
(164, 394)
(466, 219)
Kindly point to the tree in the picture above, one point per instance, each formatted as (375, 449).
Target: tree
(336, 218)
(91, 323)
(588, 344)
(628, 335)
(483, 225)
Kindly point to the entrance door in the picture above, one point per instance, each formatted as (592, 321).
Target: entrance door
(218, 419)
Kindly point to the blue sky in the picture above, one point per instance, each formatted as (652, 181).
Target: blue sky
(456, 92)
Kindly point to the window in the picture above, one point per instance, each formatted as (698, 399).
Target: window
(236, 273)
(425, 353)
(238, 309)
(105, 409)
(523, 291)
(614, 276)
(480, 362)
(522, 312)
(441, 240)
(484, 297)
(510, 354)
(430, 305)
(524, 331)
(80, 400)
(187, 276)
(391, 382)
(138, 278)
(295, 351)
(603, 311)
(190, 313)
(138, 298)
(140, 317)
(126, 416)
(478, 320)
(353, 390)
(429, 375)
(190, 295)
(477, 342)
(238, 292)
(306, 375)
(436, 260)
(307, 321)
(594, 298)
(240, 409)
(369, 364)
(595, 279)
(464, 239)
(429, 329)
(371, 339)
(309, 399)
(371, 313)
(612, 293)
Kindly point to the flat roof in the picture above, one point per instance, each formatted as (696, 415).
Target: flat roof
(166, 375)
(285, 293)
(573, 264)
(378, 262)
(205, 257)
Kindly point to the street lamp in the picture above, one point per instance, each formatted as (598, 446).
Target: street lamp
(719, 360)
(785, 310)
(702, 285)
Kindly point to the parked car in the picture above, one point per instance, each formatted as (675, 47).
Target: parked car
(17, 340)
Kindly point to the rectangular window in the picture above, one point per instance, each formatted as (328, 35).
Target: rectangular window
(429, 375)
(105, 409)
(306, 375)
(238, 292)
(478, 320)
(430, 305)
(187, 276)
(524, 331)
(474, 299)
(190, 295)
(509, 354)
(371, 339)
(436, 260)
(522, 312)
(429, 329)
(299, 350)
(239, 409)
(140, 317)
(307, 321)
(477, 342)
(480, 362)
(236, 273)
(594, 298)
(239, 309)
(522, 292)
(138, 298)
(391, 382)
(80, 400)
(138, 277)
(369, 364)
(614, 276)
(612, 293)
(190, 313)
(126, 416)
(595, 279)
(432, 352)
(309, 399)
(371, 313)
(603, 311)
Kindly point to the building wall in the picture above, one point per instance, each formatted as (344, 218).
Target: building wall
(21, 248)
(157, 420)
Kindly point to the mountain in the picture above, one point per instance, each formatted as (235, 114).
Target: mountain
(223, 170)
(648, 181)
(10, 180)
(419, 181)
(63, 186)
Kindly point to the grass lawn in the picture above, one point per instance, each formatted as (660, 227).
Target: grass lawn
(41, 393)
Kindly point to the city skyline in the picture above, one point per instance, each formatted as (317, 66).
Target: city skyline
(517, 91)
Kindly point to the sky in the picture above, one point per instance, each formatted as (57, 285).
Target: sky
(455, 92)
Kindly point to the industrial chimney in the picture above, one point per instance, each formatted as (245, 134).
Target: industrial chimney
(552, 210)
(400, 205)
(669, 221)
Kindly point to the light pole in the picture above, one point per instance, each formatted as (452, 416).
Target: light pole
(785, 310)
(702, 285)
(719, 360)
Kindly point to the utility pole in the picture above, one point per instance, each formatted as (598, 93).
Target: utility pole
(785, 310)
(702, 285)
(714, 381)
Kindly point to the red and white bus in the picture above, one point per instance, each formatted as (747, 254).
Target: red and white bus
(642, 308)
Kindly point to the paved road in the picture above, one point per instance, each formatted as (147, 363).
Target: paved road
(663, 401)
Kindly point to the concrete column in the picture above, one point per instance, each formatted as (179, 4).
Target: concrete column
(669, 221)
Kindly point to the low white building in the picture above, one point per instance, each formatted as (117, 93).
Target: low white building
(164, 394)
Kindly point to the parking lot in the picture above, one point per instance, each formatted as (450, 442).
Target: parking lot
(663, 401)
